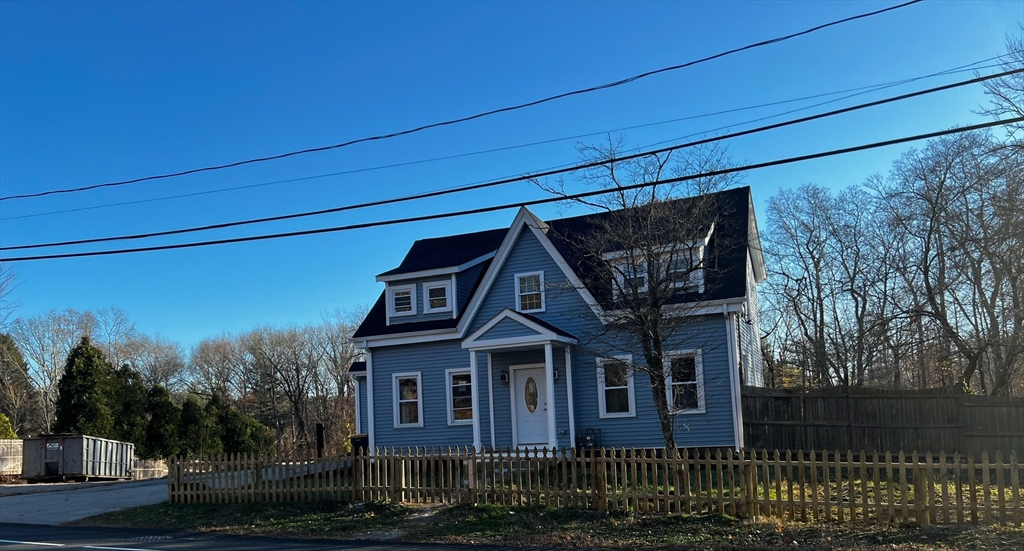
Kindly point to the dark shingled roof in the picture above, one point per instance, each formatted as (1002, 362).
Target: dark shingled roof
(546, 325)
(445, 252)
(725, 276)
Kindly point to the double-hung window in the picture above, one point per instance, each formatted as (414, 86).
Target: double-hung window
(615, 395)
(687, 269)
(402, 300)
(460, 397)
(530, 292)
(408, 399)
(437, 297)
(684, 381)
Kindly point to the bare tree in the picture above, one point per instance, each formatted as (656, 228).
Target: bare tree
(46, 341)
(960, 202)
(8, 283)
(656, 257)
(160, 361)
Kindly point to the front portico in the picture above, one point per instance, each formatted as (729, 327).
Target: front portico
(528, 406)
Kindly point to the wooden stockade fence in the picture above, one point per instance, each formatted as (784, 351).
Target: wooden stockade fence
(924, 488)
(882, 420)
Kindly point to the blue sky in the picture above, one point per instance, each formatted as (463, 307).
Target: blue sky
(92, 92)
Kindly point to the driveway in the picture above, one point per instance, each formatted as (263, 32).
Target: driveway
(52, 504)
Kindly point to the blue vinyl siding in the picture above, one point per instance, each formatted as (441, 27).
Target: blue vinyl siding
(710, 429)
(361, 390)
(508, 328)
(420, 316)
(564, 307)
(465, 280)
(431, 360)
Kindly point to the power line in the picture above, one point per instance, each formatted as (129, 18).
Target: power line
(506, 206)
(520, 178)
(471, 117)
(860, 91)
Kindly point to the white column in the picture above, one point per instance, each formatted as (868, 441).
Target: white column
(490, 398)
(369, 402)
(549, 364)
(475, 389)
(569, 397)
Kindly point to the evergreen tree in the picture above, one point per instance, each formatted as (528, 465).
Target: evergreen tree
(239, 433)
(198, 431)
(128, 401)
(83, 405)
(6, 430)
(164, 419)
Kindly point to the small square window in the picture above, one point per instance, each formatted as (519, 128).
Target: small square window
(402, 300)
(437, 297)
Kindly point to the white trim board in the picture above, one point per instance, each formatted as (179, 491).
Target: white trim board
(543, 333)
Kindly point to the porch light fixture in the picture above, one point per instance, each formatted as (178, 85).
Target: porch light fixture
(504, 376)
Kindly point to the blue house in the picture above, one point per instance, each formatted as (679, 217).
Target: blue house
(485, 339)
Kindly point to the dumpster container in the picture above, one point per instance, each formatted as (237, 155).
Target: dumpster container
(75, 456)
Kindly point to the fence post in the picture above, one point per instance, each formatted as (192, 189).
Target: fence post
(602, 482)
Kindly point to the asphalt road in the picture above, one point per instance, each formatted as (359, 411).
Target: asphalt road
(55, 504)
(18, 537)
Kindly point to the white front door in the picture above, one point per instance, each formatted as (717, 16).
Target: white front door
(531, 407)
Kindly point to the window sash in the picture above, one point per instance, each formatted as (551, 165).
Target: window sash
(685, 381)
(460, 397)
(408, 400)
(530, 292)
(616, 399)
(437, 297)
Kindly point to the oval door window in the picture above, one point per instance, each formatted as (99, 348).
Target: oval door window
(530, 394)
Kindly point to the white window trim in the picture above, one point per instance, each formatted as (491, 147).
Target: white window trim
(543, 294)
(419, 398)
(601, 406)
(695, 279)
(391, 299)
(699, 363)
(619, 260)
(448, 373)
(447, 286)
(620, 266)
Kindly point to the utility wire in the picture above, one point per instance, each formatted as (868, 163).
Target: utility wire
(860, 90)
(506, 206)
(471, 117)
(520, 178)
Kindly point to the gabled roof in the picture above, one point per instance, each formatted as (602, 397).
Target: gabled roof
(735, 232)
(540, 329)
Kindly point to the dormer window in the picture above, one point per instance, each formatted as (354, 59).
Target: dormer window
(680, 267)
(530, 292)
(402, 300)
(437, 297)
